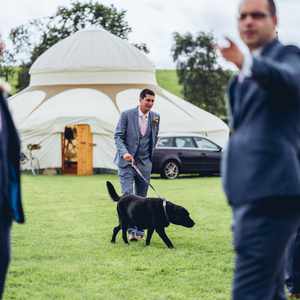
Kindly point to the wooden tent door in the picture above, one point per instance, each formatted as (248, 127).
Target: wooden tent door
(84, 150)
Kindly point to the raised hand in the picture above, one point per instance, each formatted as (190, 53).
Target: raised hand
(232, 53)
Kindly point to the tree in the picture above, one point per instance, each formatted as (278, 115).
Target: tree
(204, 80)
(33, 39)
(6, 69)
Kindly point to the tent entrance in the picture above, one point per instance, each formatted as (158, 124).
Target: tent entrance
(77, 150)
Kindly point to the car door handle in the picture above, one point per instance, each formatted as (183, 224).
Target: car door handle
(180, 154)
(203, 154)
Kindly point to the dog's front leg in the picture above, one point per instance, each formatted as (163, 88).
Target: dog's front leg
(161, 232)
(115, 232)
(124, 234)
(149, 236)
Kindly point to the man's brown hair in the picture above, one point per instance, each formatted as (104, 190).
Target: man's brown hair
(146, 92)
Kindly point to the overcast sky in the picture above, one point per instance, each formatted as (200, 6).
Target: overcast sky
(154, 21)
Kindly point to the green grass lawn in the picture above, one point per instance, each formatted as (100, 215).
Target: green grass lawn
(168, 80)
(64, 251)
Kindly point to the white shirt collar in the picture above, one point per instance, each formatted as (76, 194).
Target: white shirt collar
(141, 114)
(257, 52)
(248, 62)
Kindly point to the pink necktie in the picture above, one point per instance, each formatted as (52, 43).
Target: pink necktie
(143, 125)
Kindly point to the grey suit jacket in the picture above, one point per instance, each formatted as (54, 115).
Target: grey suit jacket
(262, 159)
(127, 134)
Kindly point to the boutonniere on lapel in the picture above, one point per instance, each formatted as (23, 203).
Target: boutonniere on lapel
(155, 121)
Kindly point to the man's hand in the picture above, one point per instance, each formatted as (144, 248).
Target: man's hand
(232, 53)
(128, 157)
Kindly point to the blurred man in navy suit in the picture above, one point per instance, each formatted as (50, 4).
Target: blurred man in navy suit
(10, 193)
(261, 166)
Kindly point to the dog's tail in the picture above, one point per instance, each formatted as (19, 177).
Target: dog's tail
(112, 192)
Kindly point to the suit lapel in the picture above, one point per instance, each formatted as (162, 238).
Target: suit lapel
(239, 93)
(246, 90)
(243, 92)
(231, 101)
(153, 129)
(136, 122)
(271, 48)
(151, 126)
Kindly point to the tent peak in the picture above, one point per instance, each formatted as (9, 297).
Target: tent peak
(92, 56)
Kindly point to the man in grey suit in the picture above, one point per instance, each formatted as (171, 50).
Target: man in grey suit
(135, 138)
(261, 166)
(10, 192)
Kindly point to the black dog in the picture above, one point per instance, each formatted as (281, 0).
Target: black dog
(147, 213)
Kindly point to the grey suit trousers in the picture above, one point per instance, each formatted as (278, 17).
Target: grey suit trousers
(131, 182)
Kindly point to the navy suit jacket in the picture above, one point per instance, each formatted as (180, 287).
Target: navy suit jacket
(262, 159)
(127, 134)
(10, 199)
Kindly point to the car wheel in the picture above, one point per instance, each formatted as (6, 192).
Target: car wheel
(170, 170)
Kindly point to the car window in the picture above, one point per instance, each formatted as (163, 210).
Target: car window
(205, 145)
(184, 142)
(165, 142)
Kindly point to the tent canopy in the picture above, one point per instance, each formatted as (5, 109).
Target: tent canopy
(92, 56)
(89, 78)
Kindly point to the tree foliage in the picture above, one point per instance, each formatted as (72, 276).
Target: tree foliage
(204, 81)
(34, 38)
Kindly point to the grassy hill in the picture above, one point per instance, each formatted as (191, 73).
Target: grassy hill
(168, 80)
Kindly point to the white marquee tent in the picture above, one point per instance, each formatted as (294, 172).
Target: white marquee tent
(89, 78)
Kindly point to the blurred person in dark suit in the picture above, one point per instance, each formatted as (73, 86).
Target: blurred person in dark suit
(10, 192)
(261, 165)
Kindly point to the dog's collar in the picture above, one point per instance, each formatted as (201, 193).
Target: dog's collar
(165, 210)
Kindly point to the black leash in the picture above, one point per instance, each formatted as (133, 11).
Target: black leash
(146, 181)
(138, 171)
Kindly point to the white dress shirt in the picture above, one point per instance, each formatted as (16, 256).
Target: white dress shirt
(248, 63)
(143, 122)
